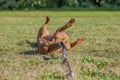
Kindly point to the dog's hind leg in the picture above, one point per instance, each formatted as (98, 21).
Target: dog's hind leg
(59, 34)
(43, 30)
(69, 24)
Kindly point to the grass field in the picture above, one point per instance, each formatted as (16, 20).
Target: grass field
(98, 58)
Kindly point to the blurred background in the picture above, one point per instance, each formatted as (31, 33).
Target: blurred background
(97, 58)
(61, 4)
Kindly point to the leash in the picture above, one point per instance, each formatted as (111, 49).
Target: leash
(66, 61)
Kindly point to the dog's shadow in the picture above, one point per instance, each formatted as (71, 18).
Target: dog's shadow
(30, 52)
(34, 45)
(26, 43)
(44, 57)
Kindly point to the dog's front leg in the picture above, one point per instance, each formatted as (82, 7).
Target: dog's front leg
(79, 40)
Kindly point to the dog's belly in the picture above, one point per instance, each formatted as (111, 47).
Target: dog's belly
(48, 37)
(55, 39)
(59, 37)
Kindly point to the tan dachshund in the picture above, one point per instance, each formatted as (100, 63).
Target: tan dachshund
(48, 43)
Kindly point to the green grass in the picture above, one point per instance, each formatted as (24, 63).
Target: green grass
(98, 58)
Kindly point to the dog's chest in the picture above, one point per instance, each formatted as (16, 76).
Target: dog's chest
(61, 35)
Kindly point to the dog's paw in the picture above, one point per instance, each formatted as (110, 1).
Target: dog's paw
(72, 20)
(48, 18)
(80, 39)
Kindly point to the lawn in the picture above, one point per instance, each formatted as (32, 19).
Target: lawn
(98, 58)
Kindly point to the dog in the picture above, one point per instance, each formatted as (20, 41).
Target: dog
(48, 43)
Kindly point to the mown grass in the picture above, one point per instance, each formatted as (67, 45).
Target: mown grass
(98, 58)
